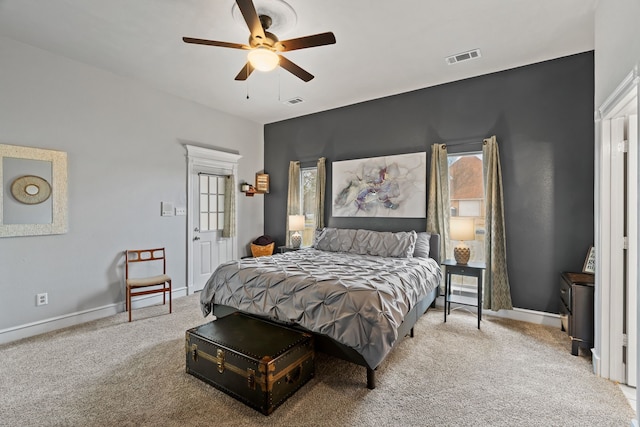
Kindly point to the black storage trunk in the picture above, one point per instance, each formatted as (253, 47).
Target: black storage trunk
(258, 363)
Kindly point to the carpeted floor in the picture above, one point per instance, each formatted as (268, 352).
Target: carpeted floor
(114, 373)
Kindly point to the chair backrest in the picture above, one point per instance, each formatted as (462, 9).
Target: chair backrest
(145, 255)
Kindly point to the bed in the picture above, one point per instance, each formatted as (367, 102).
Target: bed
(358, 291)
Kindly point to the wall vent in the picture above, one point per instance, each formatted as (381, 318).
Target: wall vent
(294, 101)
(463, 56)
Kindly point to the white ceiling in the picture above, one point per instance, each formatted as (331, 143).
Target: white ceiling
(383, 47)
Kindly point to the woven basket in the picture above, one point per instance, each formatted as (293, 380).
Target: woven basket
(257, 250)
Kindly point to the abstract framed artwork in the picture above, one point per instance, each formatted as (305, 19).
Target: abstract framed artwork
(389, 186)
(33, 194)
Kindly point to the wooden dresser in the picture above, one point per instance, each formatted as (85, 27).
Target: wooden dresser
(576, 309)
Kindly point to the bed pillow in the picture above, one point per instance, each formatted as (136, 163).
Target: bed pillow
(384, 243)
(336, 239)
(422, 248)
(317, 235)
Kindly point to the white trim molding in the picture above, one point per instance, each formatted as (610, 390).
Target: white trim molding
(201, 159)
(614, 100)
(609, 118)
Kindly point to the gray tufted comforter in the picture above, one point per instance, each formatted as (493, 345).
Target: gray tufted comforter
(358, 300)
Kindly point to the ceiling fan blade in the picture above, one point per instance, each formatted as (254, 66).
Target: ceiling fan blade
(251, 18)
(294, 69)
(245, 72)
(215, 43)
(305, 42)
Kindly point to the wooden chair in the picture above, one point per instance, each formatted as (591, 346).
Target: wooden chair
(148, 284)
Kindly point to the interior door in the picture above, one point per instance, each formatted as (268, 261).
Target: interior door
(632, 250)
(210, 249)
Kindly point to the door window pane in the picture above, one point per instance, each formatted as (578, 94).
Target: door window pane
(204, 221)
(204, 184)
(213, 223)
(211, 202)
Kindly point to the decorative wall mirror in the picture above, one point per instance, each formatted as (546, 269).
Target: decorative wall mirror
(33, 194)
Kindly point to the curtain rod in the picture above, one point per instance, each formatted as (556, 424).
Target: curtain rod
(462, 142)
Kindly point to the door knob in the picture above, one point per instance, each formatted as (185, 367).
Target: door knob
(196, 238)
(196, 229)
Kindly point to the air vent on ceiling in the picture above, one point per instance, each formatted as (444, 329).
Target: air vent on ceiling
(464, 56)
(294, 101)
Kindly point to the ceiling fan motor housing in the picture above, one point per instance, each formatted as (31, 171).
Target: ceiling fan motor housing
(270, 40)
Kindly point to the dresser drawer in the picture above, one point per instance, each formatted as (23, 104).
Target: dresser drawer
(565, 295)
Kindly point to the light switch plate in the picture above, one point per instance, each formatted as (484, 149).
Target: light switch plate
(167, 208)
(181, 211)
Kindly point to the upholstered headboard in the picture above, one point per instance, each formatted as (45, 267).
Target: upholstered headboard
(379, 243)
(434, 247)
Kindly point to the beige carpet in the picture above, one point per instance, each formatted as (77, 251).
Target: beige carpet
(114, 373)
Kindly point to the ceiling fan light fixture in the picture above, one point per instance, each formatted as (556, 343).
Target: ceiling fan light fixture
(263, 59)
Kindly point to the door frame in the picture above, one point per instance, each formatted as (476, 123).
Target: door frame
(608, 327)
(207, 160)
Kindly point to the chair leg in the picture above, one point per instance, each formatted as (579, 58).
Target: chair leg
(129, 302)
(169, 296)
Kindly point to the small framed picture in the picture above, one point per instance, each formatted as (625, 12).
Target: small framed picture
(590, 262)
(262, 182)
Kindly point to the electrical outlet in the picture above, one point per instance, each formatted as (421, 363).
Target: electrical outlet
(42, 299)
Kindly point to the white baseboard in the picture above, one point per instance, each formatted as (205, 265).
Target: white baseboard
(531, 316)
(595, 360)
(47, 325)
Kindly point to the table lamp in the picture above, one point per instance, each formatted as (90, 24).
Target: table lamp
(296, 224)
(462, 229)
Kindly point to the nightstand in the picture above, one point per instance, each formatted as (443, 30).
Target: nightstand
(472, 269)
(284, 249)
(576, 309)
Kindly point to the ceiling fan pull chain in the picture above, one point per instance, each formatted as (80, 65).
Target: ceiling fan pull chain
(247, 81)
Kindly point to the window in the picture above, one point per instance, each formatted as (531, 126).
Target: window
(211, 202)
(466, 194)
(308, 202)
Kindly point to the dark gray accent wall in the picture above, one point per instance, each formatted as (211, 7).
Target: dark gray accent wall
(542, 116)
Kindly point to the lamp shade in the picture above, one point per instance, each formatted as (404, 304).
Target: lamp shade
(462, 229)
(296, 222)
(263, 59)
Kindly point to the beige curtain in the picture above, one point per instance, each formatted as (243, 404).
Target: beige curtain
(293, 198)
(229, 229)
(438, 204)
(497, 293)
(321, 179)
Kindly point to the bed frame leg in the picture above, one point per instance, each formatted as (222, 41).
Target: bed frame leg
(411, 333)
(371, 378)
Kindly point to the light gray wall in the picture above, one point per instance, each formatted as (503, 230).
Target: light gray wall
(617, 44)
(125, 156)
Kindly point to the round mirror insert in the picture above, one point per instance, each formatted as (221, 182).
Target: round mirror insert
(30, 189)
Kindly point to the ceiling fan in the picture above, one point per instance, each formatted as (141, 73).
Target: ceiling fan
(264, 47)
